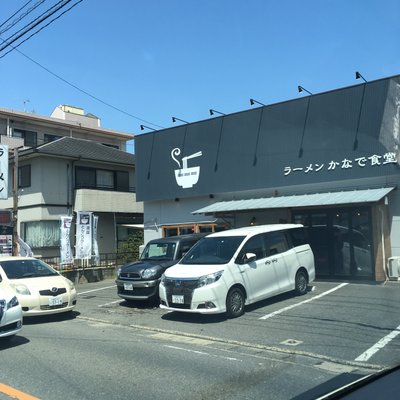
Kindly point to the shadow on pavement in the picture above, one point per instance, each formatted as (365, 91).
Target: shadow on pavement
(44, 319)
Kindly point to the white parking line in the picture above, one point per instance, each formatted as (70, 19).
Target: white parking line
(202, 353)
(112, 302)
(378, 346)
(95, 290)
(303, 302)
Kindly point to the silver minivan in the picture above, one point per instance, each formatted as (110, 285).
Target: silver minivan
(227, 270)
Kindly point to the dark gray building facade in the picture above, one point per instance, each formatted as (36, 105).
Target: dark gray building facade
(329, 161)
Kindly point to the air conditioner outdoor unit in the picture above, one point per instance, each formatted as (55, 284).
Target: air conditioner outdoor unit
(394, 268)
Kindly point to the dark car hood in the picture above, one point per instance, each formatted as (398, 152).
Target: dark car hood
(139, 266)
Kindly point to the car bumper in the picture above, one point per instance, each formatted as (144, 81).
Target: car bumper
(209, 299)
(137, 290)
(43, 305)
(11, 323)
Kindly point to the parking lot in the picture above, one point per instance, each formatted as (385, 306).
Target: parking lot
(345, 322)
(290, 346)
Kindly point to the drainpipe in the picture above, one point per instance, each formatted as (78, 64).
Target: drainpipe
(115, 234)
(383, 242)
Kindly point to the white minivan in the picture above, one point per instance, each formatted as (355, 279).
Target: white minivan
(227, 270)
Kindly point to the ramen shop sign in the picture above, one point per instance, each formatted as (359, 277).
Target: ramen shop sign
(186, 176)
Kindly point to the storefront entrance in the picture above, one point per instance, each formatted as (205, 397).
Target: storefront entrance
(341, 239)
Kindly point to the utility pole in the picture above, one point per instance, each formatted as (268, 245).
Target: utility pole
(15, 203)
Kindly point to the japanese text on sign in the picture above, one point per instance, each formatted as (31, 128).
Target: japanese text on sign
(360, 162)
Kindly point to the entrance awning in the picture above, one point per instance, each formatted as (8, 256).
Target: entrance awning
(303, 200)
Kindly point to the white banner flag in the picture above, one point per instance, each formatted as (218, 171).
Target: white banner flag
(95, 243)
(83, 243)
(3, 171)
(24, 248)
(65, 245)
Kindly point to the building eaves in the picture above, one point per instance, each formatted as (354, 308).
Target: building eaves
(83, 149)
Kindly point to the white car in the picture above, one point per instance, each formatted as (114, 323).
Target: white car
(227, 270)
(10, 313)
(40, 289)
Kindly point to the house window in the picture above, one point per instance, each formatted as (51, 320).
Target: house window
(111, 145)
(85, 177)
(176, 230)
(102, 179)
(122, 181)
(30, 137)
(24, 176)
(41, 233)
(50, 138)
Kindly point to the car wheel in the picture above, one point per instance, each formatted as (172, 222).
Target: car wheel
(235, 303)
(301, 283)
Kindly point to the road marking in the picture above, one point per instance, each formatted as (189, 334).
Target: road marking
(202, 353)
(112, 302)
(378, 345)
(318, 296)
(233, 343)
(95, 290)
(15, 393)
(182, 339)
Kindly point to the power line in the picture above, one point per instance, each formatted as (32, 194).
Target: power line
(35, 33)
(64, 80)
(16, 12)
(38, 20)
(87, 93)
(21, 17)
(84, 91)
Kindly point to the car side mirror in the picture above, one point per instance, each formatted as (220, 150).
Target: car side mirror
(249, 257)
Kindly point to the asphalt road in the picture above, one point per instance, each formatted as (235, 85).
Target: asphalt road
(286, 347)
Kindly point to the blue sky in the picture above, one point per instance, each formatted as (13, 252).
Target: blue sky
(161, 58)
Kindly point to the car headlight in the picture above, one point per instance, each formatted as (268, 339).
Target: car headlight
(21, 289)
(71, 285)
(150, 272)
(13, 302)
(162, 279)
(118, 272)
(208, 279)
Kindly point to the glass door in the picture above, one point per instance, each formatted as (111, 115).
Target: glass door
(341, 240)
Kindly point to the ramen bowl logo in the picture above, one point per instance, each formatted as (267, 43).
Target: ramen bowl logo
(186, 176)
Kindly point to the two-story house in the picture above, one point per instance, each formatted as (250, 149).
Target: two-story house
(68, 163)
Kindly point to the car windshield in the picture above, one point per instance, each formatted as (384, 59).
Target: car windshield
(159, 251)
(213, 250)
(19, 269)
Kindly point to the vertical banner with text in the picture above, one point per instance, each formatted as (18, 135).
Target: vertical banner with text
(95, 242)
(65, 242)
(83, 242)
(3, 171)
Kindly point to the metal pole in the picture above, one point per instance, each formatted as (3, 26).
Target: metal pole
(15, 204)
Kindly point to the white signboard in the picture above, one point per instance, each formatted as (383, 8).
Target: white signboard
(65, 243)
(83, 242)
(3, 172)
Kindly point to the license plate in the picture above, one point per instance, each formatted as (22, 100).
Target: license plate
(177, 299)
(55, 301)
(128, 286)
